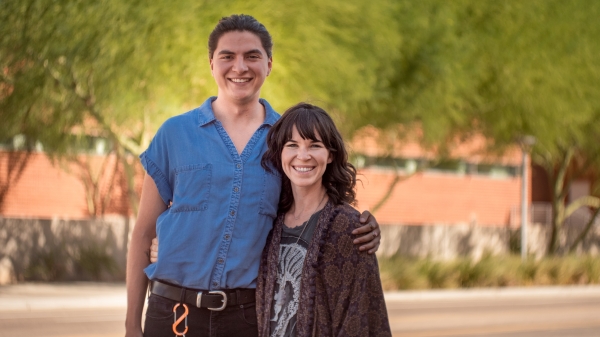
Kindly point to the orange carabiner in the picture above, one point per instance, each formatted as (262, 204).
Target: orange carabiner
(177, 321)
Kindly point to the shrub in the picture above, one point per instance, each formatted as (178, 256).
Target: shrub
(491, 271)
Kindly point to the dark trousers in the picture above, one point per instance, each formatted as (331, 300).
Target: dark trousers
(233, 321)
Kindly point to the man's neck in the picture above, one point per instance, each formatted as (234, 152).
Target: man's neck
(239, 120)
(235, 112)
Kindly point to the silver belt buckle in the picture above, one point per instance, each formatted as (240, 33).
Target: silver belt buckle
(222, 293)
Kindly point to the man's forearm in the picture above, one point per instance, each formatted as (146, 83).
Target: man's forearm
(137, 282)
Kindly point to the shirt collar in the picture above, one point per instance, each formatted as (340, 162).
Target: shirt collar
(206, 114)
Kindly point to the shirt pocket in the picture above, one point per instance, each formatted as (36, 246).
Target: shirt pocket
(192, 188)
(271, 190)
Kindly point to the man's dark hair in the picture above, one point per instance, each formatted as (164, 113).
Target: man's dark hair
(241, 23)
(339, 178)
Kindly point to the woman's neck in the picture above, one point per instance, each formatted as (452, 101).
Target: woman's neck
(307, 201)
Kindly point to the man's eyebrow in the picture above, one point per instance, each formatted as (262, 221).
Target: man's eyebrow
(253, 51)
(228, 52)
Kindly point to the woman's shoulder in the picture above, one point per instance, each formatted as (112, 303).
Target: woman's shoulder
(346, 210)
(346, 218)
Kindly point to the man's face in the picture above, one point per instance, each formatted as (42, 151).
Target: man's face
(240, 65)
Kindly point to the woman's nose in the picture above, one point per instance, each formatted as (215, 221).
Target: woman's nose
(303, 153)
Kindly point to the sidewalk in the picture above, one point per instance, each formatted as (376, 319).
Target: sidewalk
(84, 295)
(48, 296)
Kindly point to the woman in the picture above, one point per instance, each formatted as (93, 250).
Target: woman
(312, 282)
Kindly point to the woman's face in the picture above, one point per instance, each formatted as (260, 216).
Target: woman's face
(304, 161)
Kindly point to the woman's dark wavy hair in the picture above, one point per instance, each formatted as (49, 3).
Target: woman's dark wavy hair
(240, 23)
(339, 178)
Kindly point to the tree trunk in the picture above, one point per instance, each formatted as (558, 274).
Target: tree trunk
(559, 193)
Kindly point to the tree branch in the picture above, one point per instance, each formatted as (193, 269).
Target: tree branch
(585, 231)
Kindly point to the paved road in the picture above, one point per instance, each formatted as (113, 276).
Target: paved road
(105, 322)
(532, 315)
(98, 310)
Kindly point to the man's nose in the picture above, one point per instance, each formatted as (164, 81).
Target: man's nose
(240, 65)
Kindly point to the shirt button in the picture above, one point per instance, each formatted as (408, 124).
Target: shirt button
(238, 165)
(215, 284)
(220, 260)
(232, 213)
(235, 189)
(227, 236)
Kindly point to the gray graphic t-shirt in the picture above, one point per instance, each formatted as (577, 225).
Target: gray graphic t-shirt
(292, 251)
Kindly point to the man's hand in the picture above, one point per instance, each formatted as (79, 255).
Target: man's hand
(372, 233)
(154, 251)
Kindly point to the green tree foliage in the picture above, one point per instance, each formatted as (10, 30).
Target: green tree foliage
(505, 69)
(79, 69)
(540, 80)
(117, 70)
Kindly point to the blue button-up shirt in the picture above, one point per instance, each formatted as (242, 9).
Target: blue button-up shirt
(222, 204)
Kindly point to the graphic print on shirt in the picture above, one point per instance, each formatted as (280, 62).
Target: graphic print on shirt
(287, 289)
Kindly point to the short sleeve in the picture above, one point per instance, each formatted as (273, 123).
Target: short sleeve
(155, 161)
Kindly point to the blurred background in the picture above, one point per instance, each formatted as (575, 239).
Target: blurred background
(467, 119)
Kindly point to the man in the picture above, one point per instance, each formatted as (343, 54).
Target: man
(209, 201)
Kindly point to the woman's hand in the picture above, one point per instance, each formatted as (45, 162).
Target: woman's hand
(372, 233)
(153, 251)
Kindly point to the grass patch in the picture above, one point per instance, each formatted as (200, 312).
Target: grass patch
(400, 273)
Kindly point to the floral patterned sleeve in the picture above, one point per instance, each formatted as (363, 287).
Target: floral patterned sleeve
(354, 303)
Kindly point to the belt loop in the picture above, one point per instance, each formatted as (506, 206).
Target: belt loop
(238, 296)
(182, 299)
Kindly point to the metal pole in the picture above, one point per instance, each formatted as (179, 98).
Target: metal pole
(524, 206)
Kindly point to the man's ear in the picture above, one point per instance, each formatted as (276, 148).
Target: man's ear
(210, 61)
(270, 65)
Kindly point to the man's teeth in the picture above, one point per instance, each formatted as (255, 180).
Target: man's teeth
(240, 80)
(303, 169)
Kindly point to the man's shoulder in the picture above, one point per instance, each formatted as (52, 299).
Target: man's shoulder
(271, 115)
(189, 119)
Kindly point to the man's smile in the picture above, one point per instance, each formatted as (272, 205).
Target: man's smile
(239, 80)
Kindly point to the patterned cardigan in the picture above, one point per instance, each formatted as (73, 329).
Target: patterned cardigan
(340, 289)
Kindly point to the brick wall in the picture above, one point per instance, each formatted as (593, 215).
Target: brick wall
(48, 190)
(438, 198)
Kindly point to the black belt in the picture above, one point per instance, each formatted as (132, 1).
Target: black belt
(212, 300)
